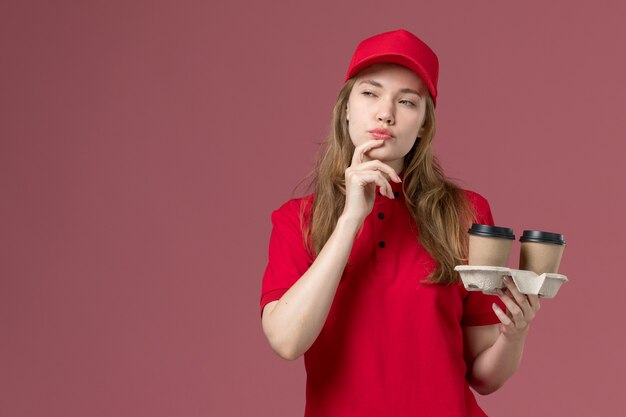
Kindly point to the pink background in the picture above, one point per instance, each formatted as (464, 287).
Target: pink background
(145, 144)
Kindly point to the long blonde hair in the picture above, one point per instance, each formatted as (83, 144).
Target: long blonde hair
(441, 209)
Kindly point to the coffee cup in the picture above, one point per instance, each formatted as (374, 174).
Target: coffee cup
(541, 251)
(489, 245)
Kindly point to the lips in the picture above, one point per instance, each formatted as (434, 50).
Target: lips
(381, 133)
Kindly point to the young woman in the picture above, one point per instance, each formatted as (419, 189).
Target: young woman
(360, 277)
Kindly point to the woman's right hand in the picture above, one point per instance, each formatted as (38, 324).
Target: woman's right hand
(362, 179)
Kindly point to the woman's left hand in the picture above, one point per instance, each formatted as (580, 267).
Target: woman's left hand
(520, 312)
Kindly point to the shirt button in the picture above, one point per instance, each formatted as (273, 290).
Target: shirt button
(396, 194)
(381, 244)
(381, 216)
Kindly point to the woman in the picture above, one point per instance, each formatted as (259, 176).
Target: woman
(360, 278)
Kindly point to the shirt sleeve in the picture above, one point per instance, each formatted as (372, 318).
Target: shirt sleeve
(288, 259)
(477, 310)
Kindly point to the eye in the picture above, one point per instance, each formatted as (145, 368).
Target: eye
(366, 93)
(410, 103)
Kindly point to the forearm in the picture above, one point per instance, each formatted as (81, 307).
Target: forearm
(495, 365)
(298, 317)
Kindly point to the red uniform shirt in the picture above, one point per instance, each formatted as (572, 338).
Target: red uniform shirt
(390, 345)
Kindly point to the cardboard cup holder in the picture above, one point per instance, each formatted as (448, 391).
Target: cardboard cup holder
(489, 278)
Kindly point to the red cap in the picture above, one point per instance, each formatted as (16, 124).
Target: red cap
(399, 47)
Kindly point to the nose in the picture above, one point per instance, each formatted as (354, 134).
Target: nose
(385, 113)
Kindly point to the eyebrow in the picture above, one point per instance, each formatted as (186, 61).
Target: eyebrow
(377, 84)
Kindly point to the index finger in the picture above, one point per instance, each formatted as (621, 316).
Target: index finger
(357, 157)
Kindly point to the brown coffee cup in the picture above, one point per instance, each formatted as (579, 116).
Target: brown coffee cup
(541, 251)
(489, 245)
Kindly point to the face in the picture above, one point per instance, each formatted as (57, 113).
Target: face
(391, 97)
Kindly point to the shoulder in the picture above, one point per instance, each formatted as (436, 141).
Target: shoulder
(292, 209)
(288, 224)
(295, 204)
(476, 198)
(481, 206)
(479, 202)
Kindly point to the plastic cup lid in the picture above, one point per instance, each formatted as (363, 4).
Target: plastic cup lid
(486, 230)
(542, 237)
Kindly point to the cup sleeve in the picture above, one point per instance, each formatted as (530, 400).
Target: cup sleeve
(288, 259)
(477, 310)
